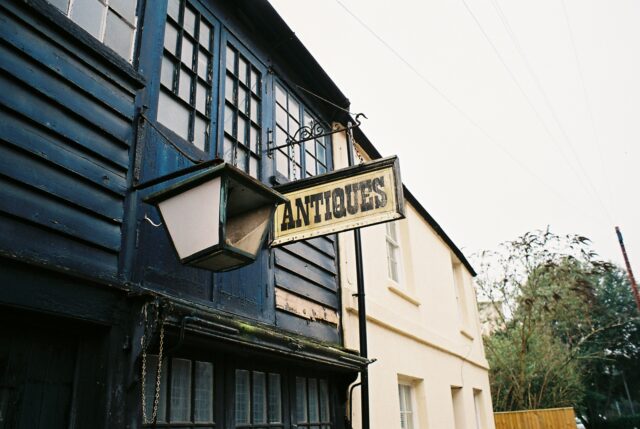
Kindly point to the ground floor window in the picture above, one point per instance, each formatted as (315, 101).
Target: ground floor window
(405, 393)
(256, 398)
(186, 395)
(312, 403)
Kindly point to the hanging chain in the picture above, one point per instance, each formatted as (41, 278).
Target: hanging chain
(156, 399)
(292, 159)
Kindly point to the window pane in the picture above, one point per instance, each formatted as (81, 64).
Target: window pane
(189, 21)
(314, 413)
(281, 117)
(228, 150)
(203, 403)
(294, 109)
(180, 390)
(242, 396)
(324, 401)
(187, 52)
(281, 136)
(293, 124)
(170, 38)
(205, 34)
(259, 398)
(321, 169)
(228, 89)
(203, 65)
(321, 153)
(126, 9)
(253, 166)
(242, 127)
(173, 115)
(242, 98)
(166, 73)
(308, 120)
(118, 35)
(301, 399)
(282, 163)
(200, 133)
(184, 91)
(89, 14)
(63, 5)
(254, 136)
(296, 149)
(241, 159)
(231, 57)
(255, 110)
(255, 81)
(242, 70)
(173, 9)
(201, 98)
(311, 164)
(275, 400)
(281, 96)
(392, 264)
(228, 119)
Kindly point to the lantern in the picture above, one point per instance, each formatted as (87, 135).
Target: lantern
(217, 219)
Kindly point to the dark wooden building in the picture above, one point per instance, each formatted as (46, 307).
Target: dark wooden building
(96, 98)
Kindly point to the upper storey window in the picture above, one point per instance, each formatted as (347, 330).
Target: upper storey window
(290, 162)
(242, 111)
(113, 22)
(184, 104)
(393, 251)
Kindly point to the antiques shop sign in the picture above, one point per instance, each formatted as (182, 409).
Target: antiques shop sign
(350, 198)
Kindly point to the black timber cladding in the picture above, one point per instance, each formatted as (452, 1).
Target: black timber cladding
(66, 131)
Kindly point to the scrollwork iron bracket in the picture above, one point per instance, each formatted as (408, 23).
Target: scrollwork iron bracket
(313, 131)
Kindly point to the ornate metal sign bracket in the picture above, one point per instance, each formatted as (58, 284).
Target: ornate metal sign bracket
(313, 131)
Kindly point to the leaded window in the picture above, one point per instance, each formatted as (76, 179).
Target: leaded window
(289, 115)
(312, 403)
(242, 111)
(258, 399)
(186, 392)
(113, 22)
(184, 104)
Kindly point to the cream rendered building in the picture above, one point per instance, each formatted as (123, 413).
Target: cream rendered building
(422, 322)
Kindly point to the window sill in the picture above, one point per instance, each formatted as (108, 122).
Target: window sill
(466, 333)
(404, 295)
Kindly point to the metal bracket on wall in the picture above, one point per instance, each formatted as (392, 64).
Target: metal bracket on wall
(310, 132)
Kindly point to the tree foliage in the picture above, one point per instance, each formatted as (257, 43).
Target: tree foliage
(561, 311)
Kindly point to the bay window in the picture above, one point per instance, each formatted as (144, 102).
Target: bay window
(300, 160)
(184, 104)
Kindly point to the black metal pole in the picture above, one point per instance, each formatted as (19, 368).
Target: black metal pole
(362, 312)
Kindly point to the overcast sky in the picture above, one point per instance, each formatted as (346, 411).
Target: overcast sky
(542, 123)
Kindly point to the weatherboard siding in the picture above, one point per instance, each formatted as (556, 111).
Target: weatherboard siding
(66, 130)
(308, 270)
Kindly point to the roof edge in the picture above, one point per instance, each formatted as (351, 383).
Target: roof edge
(443, 235)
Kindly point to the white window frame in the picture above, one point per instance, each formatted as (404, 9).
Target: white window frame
(478, 402)
(462, 304)
(407, 406)
(394, 253)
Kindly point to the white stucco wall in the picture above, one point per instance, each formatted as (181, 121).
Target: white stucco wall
(415, 329)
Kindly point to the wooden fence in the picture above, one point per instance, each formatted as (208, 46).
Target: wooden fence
(552, 418)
